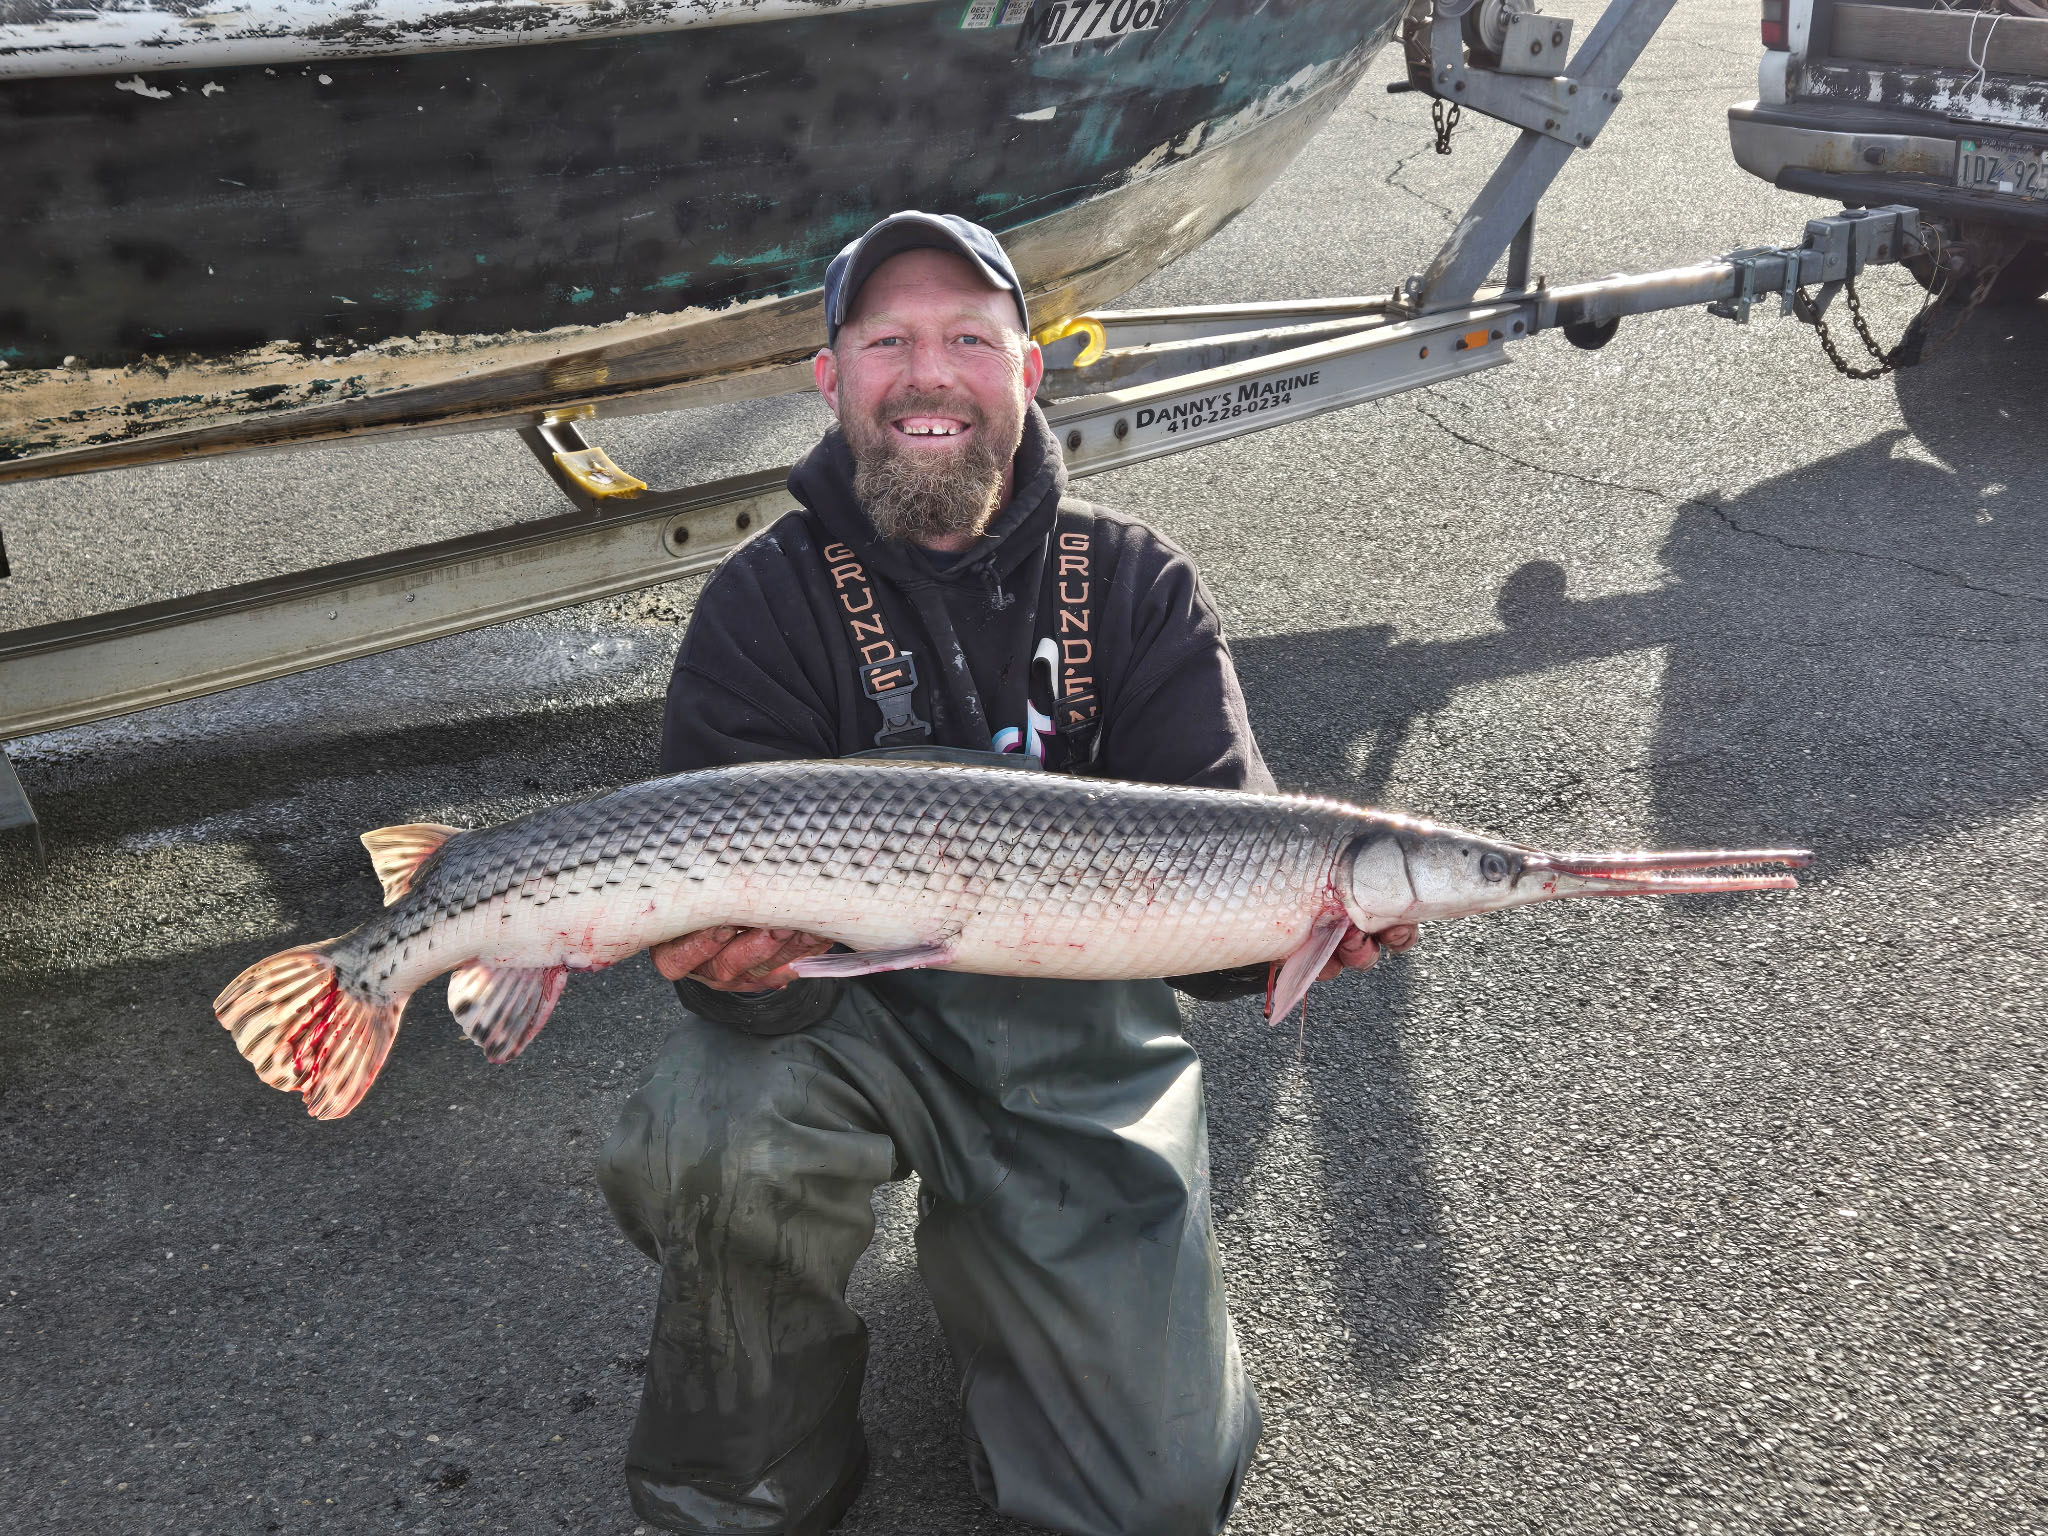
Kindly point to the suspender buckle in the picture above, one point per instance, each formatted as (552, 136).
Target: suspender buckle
(1076, 713)
(892, 684)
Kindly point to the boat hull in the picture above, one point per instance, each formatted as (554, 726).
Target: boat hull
(263, 255)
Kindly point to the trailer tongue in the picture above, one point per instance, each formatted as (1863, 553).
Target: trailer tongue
(1124, 386)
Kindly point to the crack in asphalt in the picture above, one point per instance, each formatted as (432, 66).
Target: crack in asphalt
(1668, 86)
(1722, 516)
(1391, 179)
(2024, 739)
(1714, 48)
(1837, 642)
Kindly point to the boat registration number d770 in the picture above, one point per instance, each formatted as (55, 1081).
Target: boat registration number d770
(2004, 167)
(1077, 21)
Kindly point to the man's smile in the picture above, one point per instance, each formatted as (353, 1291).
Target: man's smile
(931, 426)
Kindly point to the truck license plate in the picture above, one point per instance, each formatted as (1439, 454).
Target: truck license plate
(2003, 167)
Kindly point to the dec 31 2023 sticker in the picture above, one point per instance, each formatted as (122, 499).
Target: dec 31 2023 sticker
(1051, 23)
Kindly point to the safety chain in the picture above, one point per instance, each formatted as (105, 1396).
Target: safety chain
(1888, 360)
(1913, 348)
(1445, 122)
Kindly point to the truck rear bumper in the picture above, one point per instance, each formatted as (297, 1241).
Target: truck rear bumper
(1869, 156)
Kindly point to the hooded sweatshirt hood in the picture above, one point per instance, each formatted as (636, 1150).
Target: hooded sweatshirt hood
(978, 608)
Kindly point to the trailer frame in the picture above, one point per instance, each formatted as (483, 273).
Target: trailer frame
(1122, 387)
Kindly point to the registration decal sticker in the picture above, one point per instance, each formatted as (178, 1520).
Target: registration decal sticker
(984, 13)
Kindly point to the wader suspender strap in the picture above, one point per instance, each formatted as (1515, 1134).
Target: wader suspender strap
(888, 674)
(1076, 710)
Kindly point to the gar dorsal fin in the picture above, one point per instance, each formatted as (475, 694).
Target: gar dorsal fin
(397, 852)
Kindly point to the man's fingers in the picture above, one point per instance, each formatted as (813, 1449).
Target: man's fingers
(729, 968)
(1356, 953)
(788, 947)
(801, 947)
(679, 956)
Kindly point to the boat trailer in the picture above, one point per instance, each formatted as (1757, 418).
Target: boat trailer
(1120, 387)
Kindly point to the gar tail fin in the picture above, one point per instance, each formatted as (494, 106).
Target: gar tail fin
(398, 852)
(304, 1032)
(502, 1008)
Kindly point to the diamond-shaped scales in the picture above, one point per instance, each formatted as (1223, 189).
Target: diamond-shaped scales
(1048, 868)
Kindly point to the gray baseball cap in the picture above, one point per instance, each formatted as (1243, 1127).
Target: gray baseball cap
(914, 231)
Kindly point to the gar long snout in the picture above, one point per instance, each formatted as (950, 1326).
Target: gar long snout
(1418, 871)
(1662, 874)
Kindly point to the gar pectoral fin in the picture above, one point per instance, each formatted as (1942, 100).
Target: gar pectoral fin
(501, 1007)
(1301, 968)
(866, 962)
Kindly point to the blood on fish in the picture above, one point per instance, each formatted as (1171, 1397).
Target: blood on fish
(318, 1027)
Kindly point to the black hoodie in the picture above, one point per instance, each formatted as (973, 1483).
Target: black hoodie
(767, 669)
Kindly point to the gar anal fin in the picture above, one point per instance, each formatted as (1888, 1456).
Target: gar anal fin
(502, 1007)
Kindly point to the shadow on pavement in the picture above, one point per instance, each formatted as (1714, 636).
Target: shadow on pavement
(1846, 660)
(1852, 661)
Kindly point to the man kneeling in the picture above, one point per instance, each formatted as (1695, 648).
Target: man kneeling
(927, 601)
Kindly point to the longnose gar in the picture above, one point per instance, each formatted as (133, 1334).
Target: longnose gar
(1003, 872)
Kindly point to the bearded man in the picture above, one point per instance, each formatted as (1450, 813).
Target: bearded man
(928, 601)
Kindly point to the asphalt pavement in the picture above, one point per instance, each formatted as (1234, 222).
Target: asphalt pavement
(1717, 1215)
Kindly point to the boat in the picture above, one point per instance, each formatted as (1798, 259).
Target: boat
(245, 224)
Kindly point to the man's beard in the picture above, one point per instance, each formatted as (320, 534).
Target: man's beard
(921, 497)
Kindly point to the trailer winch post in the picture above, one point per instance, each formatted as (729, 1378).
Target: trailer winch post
(1556, 115)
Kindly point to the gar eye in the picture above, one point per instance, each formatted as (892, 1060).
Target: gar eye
(1493, 867)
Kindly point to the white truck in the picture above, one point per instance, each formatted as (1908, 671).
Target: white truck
(1940, 105)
